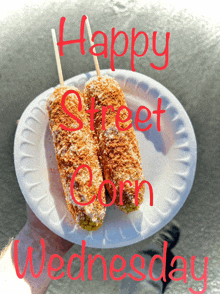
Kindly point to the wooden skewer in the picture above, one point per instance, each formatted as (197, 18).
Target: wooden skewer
(57, 55)
(91, 43)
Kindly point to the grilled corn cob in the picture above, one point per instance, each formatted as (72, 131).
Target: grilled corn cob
(74, 148)
(119, 153)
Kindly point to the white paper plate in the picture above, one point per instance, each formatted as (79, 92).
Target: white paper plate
(168, 160)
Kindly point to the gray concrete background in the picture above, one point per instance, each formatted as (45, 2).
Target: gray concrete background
(27, 68)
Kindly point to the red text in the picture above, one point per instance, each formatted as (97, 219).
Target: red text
(112, 269)
(114, 36)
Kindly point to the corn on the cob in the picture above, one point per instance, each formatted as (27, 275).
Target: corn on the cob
(72, 150)
(119, 153)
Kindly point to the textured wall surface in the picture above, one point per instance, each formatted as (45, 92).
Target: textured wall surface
(27, 68)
